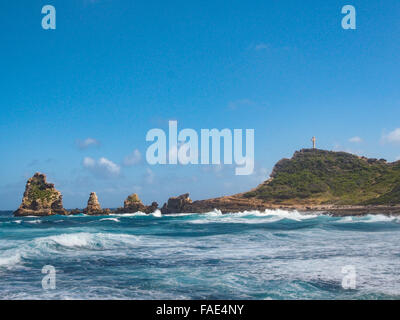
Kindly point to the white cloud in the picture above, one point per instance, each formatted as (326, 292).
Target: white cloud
(261, 174)
(174, 151)
(134, 158)
(88, 142)
(339, 148)
(89, 162)
(355, 139)
(149, 176)
(392, 137)
(233, 105)
(109, 166)
(217, 169)
(261, 46)
(102, 167)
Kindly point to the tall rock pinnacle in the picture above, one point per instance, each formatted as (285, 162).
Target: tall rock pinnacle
(93, 205)
(40, 198)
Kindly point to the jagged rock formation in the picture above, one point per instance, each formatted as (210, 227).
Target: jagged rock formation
(183, 204)
(40, 198)
(133, 204)
(93, 206)
(75, 211)
(177, 204)
(151, 208)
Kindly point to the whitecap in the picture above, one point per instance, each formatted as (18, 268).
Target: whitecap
(68, 240)
(110, 219)
(346, 220)
(253, 216)
(370, 218)
(84, 240)
(78, 243)
(214, 213)
(157, 214)
(377, 218)
(9, 261)
(134, 214)
(34, 221)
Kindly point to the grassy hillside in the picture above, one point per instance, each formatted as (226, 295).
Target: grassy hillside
(315, 176)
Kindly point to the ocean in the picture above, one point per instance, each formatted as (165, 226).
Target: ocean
(249, 255)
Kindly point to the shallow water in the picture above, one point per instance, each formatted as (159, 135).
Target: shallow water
(249, 255)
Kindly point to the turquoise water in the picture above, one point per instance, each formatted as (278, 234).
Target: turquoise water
(250, 255)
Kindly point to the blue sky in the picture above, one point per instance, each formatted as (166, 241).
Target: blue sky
(76, 102)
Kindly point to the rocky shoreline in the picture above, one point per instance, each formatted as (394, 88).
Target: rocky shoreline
(236, 203)
(42, 199)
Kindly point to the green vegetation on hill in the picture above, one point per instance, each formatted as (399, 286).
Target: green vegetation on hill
(314, 176)
(39, 190)
(36, 192)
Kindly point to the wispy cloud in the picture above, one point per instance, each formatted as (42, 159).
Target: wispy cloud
(261, 46)
(233, 105)
(355, 139)
(260, 174)
(392, 137)
(134, 158)
(102, 168)
(88, 142)
(339, 147)
(149, 176)
(36, 162)
(180, 149)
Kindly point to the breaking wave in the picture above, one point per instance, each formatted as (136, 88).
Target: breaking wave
(34, 221)
(9, 261)
(59, 244)
(110, 219)
(275, 254)
(252, 216)
(157, 214)
(133, 214)
(370, 219)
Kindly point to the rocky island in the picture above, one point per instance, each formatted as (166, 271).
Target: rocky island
(93, 206)
(338, 183)
(134, 204)
(40, 198)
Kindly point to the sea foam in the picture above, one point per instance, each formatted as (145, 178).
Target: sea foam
(252, 216)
